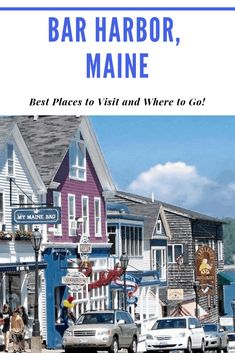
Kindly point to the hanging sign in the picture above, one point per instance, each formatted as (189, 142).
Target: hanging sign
(36, 215)
(205, 270)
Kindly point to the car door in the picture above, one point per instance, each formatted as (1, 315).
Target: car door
(196, 332)
(127, 328)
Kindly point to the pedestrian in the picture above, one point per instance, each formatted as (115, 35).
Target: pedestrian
(17, 330)
(6, 317)
(25, 321)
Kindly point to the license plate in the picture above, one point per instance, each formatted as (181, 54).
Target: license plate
(163, 343)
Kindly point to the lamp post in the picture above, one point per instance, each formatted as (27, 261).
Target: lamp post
(196, 286)
(233, 309)
(124, 259)
(36, 338)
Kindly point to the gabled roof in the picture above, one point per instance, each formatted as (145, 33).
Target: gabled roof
(47, 139)
(155, 204)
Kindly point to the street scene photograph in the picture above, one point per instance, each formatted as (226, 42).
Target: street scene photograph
(117, 234)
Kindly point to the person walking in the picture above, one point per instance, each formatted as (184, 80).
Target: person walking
(17, 330)
(6, 317)
(26, 322)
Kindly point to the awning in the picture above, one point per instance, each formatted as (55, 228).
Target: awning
(21, 266)
(189, 309)
(225, 279)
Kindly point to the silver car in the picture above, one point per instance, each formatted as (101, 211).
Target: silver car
(216, 337)
(102, 330)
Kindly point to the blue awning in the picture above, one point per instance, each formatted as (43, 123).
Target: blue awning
(225, 279)
(21, 266)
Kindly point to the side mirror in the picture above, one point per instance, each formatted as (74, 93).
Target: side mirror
(192, 326)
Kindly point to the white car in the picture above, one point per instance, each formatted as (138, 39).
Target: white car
(231, 342)
(176, 333)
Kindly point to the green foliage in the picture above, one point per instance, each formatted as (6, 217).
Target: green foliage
(229, 240)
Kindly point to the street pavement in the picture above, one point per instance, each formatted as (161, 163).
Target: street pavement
(141, 349)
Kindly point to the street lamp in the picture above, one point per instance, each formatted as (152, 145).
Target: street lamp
(196, 286)
(124, 259)
(36, 240)
(233, 309)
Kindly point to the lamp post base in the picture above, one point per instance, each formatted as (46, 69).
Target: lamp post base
(36, 344)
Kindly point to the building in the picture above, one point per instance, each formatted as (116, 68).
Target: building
(61, 161)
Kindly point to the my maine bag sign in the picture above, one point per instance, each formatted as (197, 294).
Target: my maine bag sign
(205, 270)
(36, 215)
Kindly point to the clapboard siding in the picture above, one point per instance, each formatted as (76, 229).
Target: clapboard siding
(90, 188)
(23, 180)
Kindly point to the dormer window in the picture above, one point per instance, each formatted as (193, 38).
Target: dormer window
(77, 158)
(158, 228)
(10, 159)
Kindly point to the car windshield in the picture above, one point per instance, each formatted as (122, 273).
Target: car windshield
(209, 328)
(169, 324)
(231, 337)
(95, 318)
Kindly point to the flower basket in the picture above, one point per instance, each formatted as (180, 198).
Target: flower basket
(6, 236)
(23, 235)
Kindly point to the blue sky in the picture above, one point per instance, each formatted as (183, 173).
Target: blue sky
(187, 161)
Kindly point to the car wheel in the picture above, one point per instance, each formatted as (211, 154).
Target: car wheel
(203, 347)
(189, 347)
(133, 346)
(114, 346)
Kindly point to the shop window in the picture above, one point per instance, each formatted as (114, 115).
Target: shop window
(13, 289)
(132, 240)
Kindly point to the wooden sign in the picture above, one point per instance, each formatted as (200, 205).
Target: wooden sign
(205, 270)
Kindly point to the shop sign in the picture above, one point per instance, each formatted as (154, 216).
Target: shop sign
(36, 215)
(175, 294)
(75, 281)
(205, 270)
(84, 248)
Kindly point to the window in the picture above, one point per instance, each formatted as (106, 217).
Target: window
(97, 212)
(112, 239)
(57, 203)
(159, 261)
(158, 228)
(71, 215)
(10, 159)
(132, 240)
(220, 250)
(174, 251)
(1, 208)
(77, 158)
(85, 215)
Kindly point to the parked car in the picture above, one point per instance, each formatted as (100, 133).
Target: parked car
(231, 342)
(216, 337)
(176, 333)
(102, 330)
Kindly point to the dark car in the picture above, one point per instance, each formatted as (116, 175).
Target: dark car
(102, 330)
(216, 337)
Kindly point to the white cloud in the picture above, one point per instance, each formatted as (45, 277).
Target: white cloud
(176, 183)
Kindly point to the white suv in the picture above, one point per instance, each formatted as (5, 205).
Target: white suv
(176, 333)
